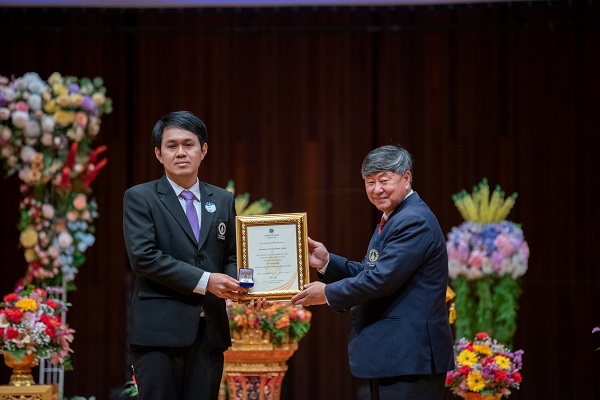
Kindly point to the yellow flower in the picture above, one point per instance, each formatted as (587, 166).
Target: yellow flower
(28, 237)
(475, 381)
(482, 349)
(50, 107)
(26, 304)
(75, 99)
(63, 100)
(502, 361)
(60, 89)
(55, 78)
(64, 118)
(30, 255)
(467, 357)
(98, 98)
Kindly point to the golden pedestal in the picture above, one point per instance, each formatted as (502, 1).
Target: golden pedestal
(255, 369)
(33, 392)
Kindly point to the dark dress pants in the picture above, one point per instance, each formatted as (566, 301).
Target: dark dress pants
(408, 387)
(178, 373)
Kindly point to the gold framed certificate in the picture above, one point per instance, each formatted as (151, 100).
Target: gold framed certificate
(273, 250)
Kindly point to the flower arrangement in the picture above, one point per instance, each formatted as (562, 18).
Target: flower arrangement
(484, 366)
(46, 130)
(279, 324)
(30, 323)
(486, 256)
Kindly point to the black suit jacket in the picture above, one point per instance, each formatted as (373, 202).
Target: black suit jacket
(169, 262)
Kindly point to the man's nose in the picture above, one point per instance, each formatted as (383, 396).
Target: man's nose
(180, 150)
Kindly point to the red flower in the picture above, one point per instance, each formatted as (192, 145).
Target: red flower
(500, 375)
(14, 314)
(482, 335)
(517, 377)
(487, 360)
(465, 370)
(41, 292)
(50, 332)
(449, 380)
(52, 304)
(11, 333)
(1, 332)
(11, 297)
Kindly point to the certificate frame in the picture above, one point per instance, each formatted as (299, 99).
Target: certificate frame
(259, 234)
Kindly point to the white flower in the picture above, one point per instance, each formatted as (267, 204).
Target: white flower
(35, 102)
(25, 175)
(32, 129)
(8, 93)
(19, 119)
(47, 139)
(53, 251)
(27, 153)
(65, 239)
(4, 113)
(48, 211)
(5, 133)
(48, 123)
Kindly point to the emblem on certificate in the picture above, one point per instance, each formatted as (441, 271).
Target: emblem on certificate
(275, 248)
(246, 277)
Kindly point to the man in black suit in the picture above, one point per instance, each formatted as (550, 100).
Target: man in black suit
(180, 239)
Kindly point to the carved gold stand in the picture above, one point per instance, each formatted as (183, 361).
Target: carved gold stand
(33, 392)
(254, 368)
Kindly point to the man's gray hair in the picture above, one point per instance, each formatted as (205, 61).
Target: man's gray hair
(387, 158)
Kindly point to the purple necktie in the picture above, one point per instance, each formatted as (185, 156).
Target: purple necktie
(190, 211)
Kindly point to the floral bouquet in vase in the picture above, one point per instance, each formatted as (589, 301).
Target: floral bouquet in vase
(31, 324)
(484, 367)
(486, 257)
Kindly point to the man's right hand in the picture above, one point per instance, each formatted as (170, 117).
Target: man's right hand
(225, 287)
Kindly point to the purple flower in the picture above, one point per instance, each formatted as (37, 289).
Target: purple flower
(73, 88)
(596, 329)
(87, 103)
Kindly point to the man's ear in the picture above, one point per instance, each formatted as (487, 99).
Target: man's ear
(157, 154)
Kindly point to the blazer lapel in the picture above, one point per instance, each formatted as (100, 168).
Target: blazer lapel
(169, 199)
(207, 217)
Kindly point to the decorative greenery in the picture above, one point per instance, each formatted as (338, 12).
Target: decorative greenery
(46, 131)
(30, 323)
(486, 258)
(484, 366)
(243, 205)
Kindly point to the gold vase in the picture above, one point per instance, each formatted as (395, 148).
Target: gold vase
(479, 396)
(254, 367)
(21, 374)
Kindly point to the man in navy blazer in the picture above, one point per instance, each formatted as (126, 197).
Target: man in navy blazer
(399, 336)
(184, 273)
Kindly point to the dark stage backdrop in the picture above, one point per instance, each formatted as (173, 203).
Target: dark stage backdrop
(294, 99)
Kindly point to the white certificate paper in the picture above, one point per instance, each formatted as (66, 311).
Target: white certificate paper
(272, 253)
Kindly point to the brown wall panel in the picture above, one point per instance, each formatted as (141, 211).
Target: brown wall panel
(293, 99)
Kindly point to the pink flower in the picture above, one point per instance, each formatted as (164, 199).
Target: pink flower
(476, 259)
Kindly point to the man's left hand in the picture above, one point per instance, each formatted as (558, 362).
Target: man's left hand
(313, 294)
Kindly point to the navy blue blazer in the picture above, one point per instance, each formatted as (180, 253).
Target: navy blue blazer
(168, 262)
(399, 320)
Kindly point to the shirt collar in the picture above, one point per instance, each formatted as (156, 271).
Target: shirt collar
(387, 216)
(195, 189)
